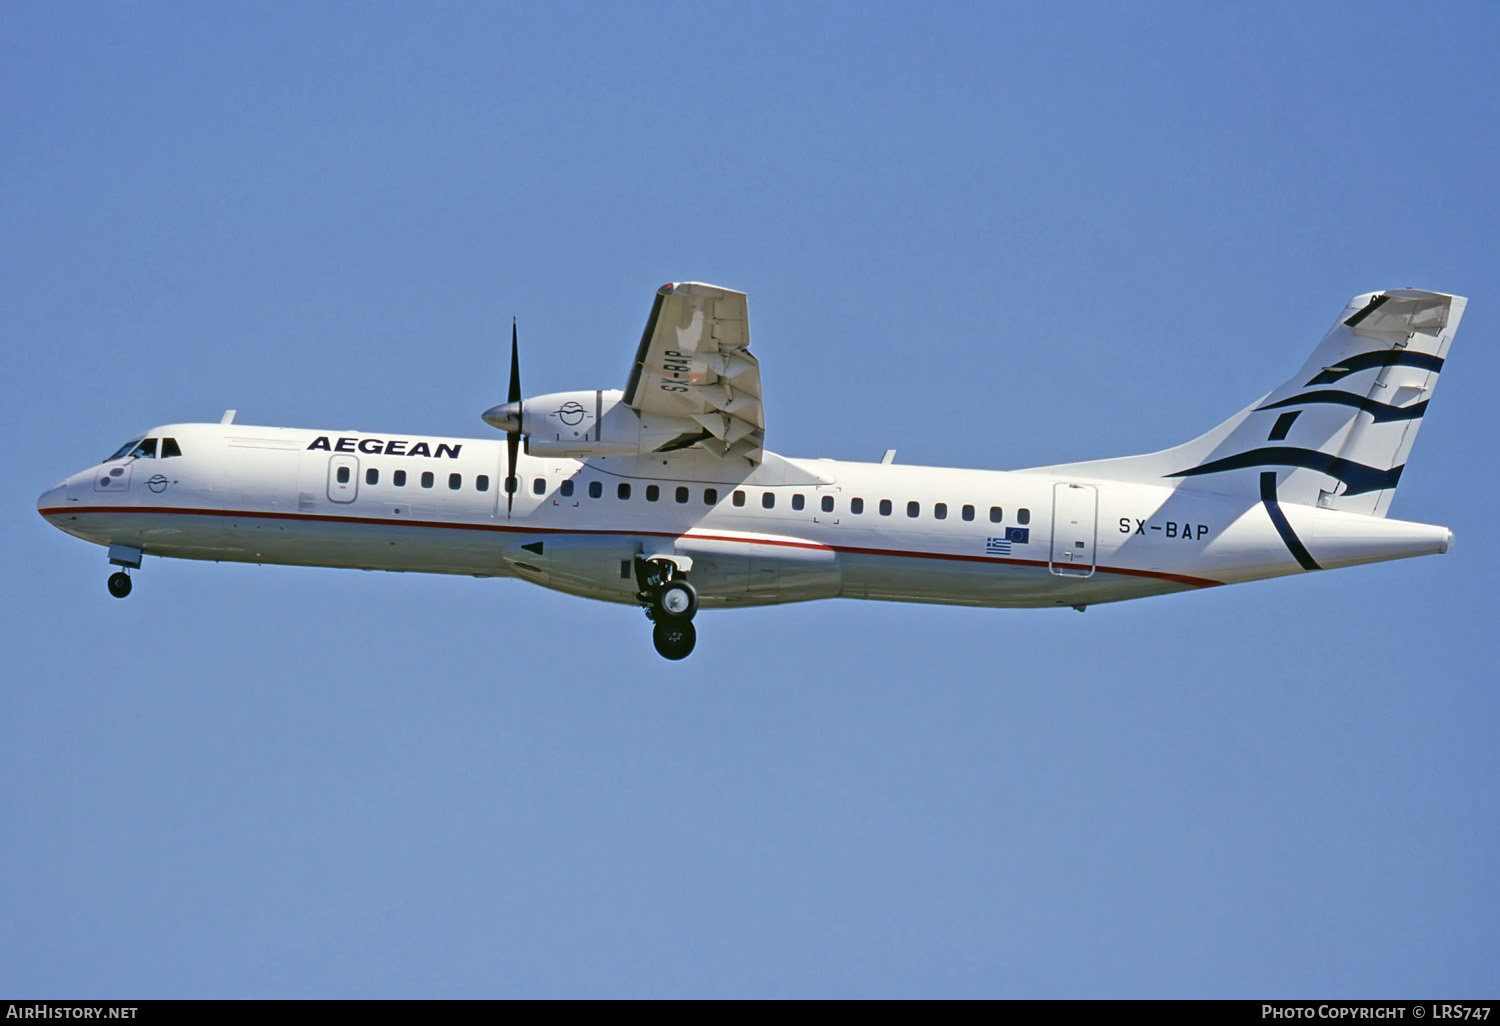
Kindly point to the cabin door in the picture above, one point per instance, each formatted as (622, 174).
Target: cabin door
(343, 478)
(1074, 529)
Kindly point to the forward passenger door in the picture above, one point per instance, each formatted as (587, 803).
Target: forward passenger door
(343, 478)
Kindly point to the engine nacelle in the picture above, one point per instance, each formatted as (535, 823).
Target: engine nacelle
(593, 423)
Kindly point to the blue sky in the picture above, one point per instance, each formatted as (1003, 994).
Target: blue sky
(982, 235)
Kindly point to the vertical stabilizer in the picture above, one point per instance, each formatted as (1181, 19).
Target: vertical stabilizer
(1338, 433)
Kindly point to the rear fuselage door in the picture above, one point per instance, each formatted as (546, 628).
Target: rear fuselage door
(1074, 529)
(343, 478)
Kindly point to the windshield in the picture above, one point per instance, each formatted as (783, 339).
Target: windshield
(124, 450)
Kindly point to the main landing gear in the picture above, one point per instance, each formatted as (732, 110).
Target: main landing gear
(671, 603)
(119, 584)
(674, 639)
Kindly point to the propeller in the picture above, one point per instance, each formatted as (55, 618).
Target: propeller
(507, 418)
(513, 436)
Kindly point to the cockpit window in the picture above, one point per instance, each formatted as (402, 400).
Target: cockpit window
(124, 450)
(169, 447)
(146, 450)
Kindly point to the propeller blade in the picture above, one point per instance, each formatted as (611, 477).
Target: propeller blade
(514, 395)
(513, 438)
(512, 443)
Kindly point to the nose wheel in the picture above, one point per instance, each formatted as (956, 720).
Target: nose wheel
(119, 584)
(671, 603)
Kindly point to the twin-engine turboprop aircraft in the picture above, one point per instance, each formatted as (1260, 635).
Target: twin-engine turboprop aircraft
(663, 495)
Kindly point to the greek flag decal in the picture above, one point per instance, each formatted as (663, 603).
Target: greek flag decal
(1001, 546)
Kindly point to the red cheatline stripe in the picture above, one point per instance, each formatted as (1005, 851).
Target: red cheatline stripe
(1194, 582)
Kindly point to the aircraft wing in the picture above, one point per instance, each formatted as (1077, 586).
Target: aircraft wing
(694, 362)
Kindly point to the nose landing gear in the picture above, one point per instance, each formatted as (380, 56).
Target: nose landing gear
(129, 558)
(671, 603)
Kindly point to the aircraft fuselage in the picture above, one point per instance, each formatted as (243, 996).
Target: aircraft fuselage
(784, 531)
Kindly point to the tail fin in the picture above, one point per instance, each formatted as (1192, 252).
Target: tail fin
(1338, 433)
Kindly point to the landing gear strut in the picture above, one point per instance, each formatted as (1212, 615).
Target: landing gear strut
(119, 584)
(671, 602)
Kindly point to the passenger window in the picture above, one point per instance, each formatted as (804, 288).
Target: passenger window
(828, 504)
(995, 515)
(768, 500)
(622, 490)
(940, 511)
(856, 505)
(482, 483)
(426, 479)
(913, 509)
(169, 448)
(567, 487)
(538, 486)
(399, 479)
(596, 489)
(682, 494)
(1023, 516)
(885, 507)
(146, 450)
(710, 496)
(739, 497)
(455, 482)
(343, 475)
(652, 493)
(797, 500)
(968, 512)
(372, 476)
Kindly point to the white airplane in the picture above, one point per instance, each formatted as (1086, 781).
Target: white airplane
(663, 496)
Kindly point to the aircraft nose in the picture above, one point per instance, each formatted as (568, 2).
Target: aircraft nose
(52, 498)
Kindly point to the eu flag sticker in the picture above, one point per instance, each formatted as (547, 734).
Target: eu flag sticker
(1019, 535)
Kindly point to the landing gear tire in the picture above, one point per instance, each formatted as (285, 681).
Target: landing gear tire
(677, 600)
(674, 639)
(119, 584)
